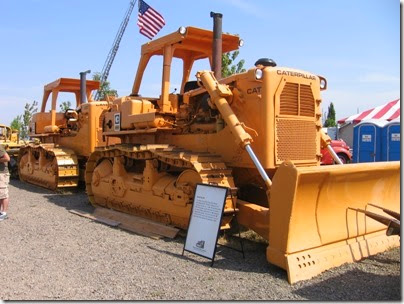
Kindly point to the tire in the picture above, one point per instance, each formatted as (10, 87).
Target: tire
(344, 159)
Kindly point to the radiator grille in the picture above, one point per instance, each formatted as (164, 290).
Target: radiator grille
(306, 101)
(289, 99)
(297, 99)
(296, 140)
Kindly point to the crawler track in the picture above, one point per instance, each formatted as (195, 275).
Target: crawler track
(48, 166)
(162, 191)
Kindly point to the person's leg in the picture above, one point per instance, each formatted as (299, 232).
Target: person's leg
(3, 205)
(4, 201)
(3, 208)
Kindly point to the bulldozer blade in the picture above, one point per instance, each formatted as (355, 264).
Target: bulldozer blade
(392, 224)
(313, 221)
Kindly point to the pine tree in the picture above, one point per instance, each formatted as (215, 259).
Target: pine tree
(330, 121)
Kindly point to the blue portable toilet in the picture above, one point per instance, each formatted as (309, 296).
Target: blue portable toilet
(367, 143)
(391, 142)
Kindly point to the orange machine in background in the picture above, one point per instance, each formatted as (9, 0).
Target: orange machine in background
(66, 138)
(11, 142)
(257, 133)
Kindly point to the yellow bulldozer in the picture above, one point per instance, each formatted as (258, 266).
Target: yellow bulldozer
(66, 138)
(257, 133)
(10, 140)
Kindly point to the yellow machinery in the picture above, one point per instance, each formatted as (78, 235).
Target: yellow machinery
(257, 133)
(10, 140)
(67, 138)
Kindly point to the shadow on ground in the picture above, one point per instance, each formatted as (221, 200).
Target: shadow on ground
(231, 258)
(354, 285)
(73, 198)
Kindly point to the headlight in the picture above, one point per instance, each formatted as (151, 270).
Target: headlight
(240, 42)
(323, 83)
(258, 74)
(182, 30)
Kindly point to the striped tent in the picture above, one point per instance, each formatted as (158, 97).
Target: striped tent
(388, 112)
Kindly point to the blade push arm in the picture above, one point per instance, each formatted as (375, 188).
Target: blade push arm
(326, 141)
(218, 94)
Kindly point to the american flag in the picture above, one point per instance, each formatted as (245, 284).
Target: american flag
(149, 21)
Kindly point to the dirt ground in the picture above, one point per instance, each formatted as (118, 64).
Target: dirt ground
(48, 253)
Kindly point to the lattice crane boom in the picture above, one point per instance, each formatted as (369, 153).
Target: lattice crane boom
(115, 46)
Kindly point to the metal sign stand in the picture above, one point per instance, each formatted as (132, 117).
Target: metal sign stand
(234, 214)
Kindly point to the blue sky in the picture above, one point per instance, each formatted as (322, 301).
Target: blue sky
(354, 44)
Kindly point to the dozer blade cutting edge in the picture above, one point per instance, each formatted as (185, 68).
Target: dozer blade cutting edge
(314, 222)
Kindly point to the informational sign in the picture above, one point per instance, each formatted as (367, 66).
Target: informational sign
(366, 138)
(206, 216)
(117, 122)
(395, 136)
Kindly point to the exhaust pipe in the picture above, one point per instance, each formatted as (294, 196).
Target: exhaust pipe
(83, 87)
(217, 45)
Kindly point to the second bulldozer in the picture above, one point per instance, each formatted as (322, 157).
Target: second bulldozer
(66, 138)
(257, 133)
(10, 140)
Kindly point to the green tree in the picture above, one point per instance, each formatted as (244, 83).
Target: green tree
(65, 105)
(16, 124)
(229, 66)
(21, 122)
(104, 88)
(330, 121)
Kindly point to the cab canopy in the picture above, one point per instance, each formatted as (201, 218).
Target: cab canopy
(189, 44)
(67, 85)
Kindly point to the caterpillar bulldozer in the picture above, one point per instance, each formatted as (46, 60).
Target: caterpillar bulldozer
(257, 133)
(10, 140)
(64, 140)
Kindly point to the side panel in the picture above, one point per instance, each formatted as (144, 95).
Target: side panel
(89, 134)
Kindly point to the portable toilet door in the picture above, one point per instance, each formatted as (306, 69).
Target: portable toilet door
(391, 146)
(367, 141)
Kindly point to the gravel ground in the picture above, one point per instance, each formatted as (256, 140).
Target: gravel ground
(48, 253)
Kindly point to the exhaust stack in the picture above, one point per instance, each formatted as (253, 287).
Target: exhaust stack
(83, 86)
(217, 44)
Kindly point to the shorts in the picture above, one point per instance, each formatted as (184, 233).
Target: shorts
(4, 180)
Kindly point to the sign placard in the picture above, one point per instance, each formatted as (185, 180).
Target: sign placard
(204, 223)
(117, 122)
(395, 136)
(366, 138)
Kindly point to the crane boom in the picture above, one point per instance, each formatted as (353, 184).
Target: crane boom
(111, 55)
